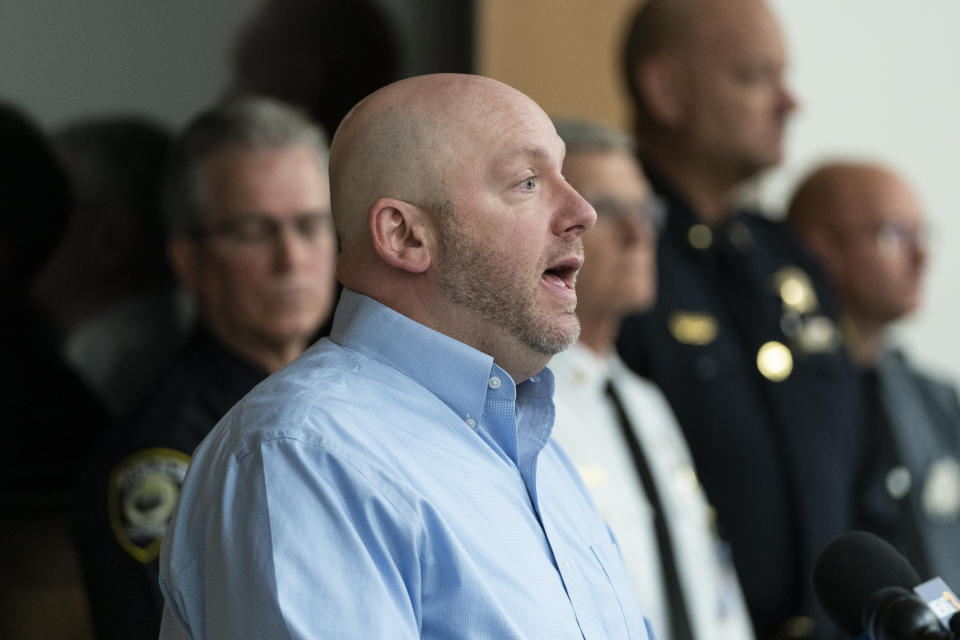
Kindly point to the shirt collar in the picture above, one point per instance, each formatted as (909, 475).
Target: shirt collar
(454, 372)
(580, 366)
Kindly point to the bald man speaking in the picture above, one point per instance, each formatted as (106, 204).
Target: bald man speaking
(398, 480)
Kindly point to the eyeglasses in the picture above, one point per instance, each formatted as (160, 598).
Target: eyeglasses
(650, 210)
(896, 237)
(255, 230)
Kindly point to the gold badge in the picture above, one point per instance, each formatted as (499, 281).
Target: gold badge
(142, 496)
(795, 290)
(700, 236)
(775, 361)
(693, 327)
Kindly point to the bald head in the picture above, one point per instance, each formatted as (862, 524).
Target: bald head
(449, 195)
(657, 26)
(710, 99)
(838, 197)
(682, 26)
(866, 225)
(404, 140)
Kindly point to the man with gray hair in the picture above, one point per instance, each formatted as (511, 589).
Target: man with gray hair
(617, 427)
(250, 235)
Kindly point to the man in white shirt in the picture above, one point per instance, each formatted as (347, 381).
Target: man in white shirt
(617, 427)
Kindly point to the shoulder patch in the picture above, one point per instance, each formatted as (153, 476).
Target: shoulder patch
(142, 496)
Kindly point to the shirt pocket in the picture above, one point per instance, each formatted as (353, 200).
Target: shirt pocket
(616, 605)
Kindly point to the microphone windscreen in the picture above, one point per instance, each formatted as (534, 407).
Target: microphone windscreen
(854, 567)
(955, 624)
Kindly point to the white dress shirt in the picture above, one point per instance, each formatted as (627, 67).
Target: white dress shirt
(588, 430)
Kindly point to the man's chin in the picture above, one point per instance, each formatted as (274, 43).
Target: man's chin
(553, 340)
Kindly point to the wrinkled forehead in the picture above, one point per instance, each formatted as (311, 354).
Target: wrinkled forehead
(503, 136)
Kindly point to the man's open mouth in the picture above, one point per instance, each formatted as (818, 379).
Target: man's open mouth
(564, 273)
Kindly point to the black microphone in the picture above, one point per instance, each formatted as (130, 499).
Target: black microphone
(865, 585)
(895, 613)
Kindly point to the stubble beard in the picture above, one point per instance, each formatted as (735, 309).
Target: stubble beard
(482, 280)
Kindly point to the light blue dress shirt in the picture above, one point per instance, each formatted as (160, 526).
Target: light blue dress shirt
(391, 483)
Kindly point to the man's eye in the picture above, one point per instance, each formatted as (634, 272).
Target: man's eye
(529, 184)
(252, 230)
(756, 74)
(310, 225)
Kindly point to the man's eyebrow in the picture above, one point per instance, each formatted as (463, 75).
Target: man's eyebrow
(533, 152)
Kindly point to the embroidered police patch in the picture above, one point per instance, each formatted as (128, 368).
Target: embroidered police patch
(142, 496)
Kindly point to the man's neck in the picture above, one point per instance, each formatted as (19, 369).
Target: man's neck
(599, 334)
(712, 193)
(865, 341)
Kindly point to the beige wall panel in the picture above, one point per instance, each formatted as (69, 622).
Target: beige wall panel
(562, 53)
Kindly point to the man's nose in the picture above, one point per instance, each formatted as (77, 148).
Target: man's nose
(290, 249)
(788, 100)
(576, 215)
(637, 229)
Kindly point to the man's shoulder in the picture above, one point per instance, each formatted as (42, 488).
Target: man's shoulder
(189, 397)
(896, 363)
(333, 397)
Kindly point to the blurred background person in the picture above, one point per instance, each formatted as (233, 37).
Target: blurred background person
(51, 417)
(322, 56)
(109, 287)
(868, 227)
(617, 427)
(247, 204)
(742, 338)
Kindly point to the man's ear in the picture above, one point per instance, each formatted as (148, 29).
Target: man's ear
(662, 89)
(401, 234)
(183, 253)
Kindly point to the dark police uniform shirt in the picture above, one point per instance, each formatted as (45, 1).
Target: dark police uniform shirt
(914, 497)
(131, 487)
(743, 343)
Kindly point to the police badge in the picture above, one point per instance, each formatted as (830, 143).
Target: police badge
(142, 496)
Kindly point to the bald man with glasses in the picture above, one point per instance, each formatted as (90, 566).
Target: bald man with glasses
(867, 226)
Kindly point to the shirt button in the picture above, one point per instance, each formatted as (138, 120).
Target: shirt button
(494, 382)
(471, 423)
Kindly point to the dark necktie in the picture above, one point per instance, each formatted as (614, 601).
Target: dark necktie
(679, 619)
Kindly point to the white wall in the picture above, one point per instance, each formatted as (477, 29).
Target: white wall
(881, 79)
